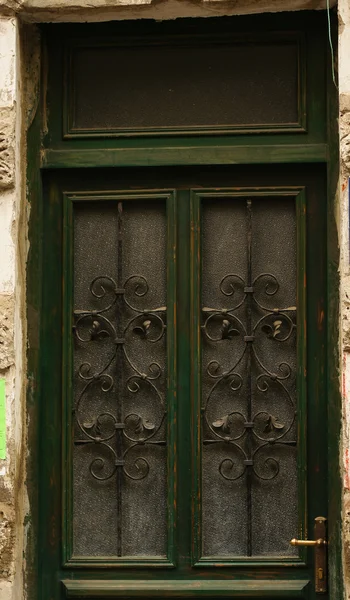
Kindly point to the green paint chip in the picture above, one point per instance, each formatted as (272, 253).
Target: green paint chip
(2, 420)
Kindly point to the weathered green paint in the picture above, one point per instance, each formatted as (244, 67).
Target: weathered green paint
(197, 179)
(185, 589)
(50, 490)
(46, 309)
(213, 154)
(312, 104)
(302, 361)
(92, 185)
(196, 367)
(67, 376)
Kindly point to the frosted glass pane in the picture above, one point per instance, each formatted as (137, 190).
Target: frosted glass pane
(249, 396)
(185, 85)
(119, 460)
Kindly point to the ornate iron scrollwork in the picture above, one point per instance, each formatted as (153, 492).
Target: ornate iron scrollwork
(92, 324)
(120, 437)
(248, 436)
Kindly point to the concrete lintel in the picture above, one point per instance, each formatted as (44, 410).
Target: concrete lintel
(104, 10)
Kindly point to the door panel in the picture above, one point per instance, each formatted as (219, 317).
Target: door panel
(120, 390)
(251, 379)
(183, 434)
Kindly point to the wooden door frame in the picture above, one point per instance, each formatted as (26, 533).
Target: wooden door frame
(335, 483)
(34, 292)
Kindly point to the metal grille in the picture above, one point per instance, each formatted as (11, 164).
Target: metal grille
(120, 373)
(249, 377)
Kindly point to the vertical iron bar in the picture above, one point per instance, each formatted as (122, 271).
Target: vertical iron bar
(119, 379)
(249, 376)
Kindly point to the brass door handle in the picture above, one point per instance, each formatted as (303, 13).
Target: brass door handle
(320, 545)
(319, 542)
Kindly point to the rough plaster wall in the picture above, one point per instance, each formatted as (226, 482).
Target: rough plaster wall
(344, 98)
(97, 10)
(11, 346)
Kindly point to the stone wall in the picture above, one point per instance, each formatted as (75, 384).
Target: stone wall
(14, 511)
(12, 325)
(344, 128)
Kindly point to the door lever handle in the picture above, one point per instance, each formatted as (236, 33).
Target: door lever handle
(320, 545)
(319, 542)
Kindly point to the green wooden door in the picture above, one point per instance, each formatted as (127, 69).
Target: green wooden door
(183, 432)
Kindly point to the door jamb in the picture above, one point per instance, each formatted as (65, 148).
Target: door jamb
(33, 314)
(336, 575)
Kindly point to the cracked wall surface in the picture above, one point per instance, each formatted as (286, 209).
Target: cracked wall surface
(13, 507)
(12, 493)
(344, 134)
(75, 10)
(7, 153)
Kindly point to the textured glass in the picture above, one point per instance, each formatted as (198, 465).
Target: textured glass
(249, 396)
(185, 85)
(119, 460)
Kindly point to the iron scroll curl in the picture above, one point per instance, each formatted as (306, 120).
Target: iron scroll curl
(223, 325)
(148, 324)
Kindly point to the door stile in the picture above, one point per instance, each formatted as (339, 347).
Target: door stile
(302, 286)
(172, 392)
(317, 319)
(196, 361)
(50, 495)
(67, 378)
(184, 431)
